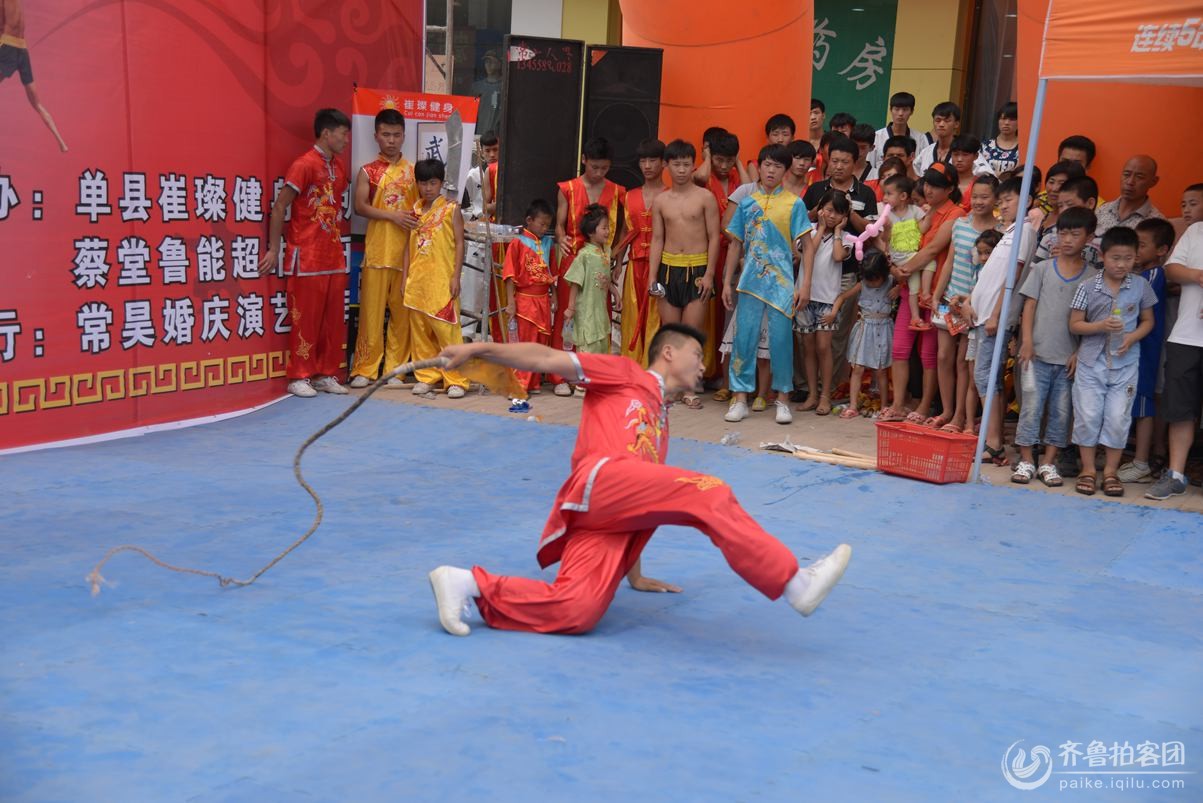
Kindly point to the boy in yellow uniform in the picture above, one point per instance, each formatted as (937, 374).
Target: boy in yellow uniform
(384, 194)
(432, 279)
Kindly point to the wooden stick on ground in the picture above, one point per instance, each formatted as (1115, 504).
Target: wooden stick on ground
(857, 455)
(837, 460)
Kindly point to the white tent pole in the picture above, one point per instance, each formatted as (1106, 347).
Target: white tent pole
(1012, 264)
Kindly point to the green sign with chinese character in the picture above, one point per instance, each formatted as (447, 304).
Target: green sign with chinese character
(853, 54)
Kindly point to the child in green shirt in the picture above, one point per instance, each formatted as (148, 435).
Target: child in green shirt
(590, 278)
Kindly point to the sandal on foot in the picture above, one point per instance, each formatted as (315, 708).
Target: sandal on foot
(935, 422)
(915, 418)
(691, 401)
(1112, 486)
(951, 429)
(1049, 475)
(997, 456)
(891, 416)
(1085, 484)
(722, 395)
(850, 413)
(823, 408)
(1024, 471)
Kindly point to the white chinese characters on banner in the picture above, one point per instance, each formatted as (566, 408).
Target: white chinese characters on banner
(864, 70)
(1164, 38)
(100, 262)
(867, 65)
(822, 48)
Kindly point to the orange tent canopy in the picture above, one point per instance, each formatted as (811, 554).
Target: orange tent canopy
(1119, 40)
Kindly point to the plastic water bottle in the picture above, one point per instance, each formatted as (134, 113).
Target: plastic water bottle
(567, 335)
(512, 327)
(1027, 377)
(1117, 338)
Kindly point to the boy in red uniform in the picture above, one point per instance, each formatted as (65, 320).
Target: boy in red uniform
(640, 315)
(618, 493)
(722, 179)
(590, 187)
(528, 279)
(314, 262)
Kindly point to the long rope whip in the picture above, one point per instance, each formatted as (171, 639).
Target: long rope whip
(95, 579)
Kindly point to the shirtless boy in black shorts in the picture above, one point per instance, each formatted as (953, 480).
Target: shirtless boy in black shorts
(685, 244)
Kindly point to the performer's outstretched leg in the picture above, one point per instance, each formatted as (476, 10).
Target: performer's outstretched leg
(593, 565)
(634, 497)
(628, 495)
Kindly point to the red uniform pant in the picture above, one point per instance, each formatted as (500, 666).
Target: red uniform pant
(530, 333)
(316, 312)
(628, 501)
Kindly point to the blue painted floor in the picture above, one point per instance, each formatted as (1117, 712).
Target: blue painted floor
(971, 617)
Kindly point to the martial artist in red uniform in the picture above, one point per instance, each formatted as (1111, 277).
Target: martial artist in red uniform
(618, 493)
(314, 261)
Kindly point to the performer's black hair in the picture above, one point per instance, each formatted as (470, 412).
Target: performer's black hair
(667, 331)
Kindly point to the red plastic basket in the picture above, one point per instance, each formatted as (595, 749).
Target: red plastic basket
(910, 450)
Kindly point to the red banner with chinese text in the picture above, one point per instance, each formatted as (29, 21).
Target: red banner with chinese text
(128, 296)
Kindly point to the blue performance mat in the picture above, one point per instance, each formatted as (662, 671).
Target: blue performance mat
(969, 619)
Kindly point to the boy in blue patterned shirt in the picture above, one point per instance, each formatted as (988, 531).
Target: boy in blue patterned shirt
(1111, 315)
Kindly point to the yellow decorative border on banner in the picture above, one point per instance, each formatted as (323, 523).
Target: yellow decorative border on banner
(73, 390)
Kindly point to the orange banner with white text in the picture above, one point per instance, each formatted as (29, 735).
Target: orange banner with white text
(1117, 40)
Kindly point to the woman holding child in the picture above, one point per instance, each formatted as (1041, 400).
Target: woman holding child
(943, 197)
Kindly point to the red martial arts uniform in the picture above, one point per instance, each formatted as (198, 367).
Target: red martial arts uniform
(638, 307)
(526, 265)
(315, 266)
(618, 493)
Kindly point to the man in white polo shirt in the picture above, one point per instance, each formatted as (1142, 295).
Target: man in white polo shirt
(902, 106)
(1183, 392)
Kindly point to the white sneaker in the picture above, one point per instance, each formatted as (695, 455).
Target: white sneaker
(301, 388)
(562, 389)
(422, 388)
(738, 411)
(453, 590)
(455, 392)
(813, 583)
(359, 382)
(1130, 472)
(328, 384)
(784, 416)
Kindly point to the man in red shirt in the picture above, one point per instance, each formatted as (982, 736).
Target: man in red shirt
(618, 493)
(313, 263)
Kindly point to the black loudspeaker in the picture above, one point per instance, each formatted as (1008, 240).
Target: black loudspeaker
(540, 122)
(622, 104)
